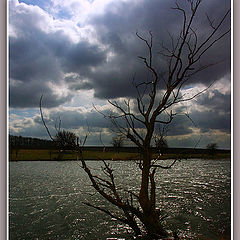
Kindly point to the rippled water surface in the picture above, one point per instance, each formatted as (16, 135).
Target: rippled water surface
(46, 200)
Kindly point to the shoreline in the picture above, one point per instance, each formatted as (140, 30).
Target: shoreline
(68, 155)
(117, 160)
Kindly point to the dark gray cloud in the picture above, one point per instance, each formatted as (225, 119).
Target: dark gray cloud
(36, 61)
(43, 54)
(118, 32)
(28, 94)
(216, 100)
(214, 124)
(212, 120)
(75, 119)
(215, 117)
(37, 58)
(31, 60)
(81, 56)
(36, 55)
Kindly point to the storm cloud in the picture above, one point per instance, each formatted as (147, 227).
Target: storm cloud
(41, 49)
(64, 49)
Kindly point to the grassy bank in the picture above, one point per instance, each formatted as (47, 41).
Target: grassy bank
(46, 155)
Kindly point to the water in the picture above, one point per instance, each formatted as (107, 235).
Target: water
(46, 200)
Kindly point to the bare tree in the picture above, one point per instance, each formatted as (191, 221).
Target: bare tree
(65, 140)
(212, 147)
(161, 145)
(154, 107)
(117, 142)
(160, 139)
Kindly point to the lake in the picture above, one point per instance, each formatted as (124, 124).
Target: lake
(46, 199)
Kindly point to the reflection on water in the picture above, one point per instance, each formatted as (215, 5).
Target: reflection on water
(46, 200)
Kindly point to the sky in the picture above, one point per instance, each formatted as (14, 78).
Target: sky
(80, 53)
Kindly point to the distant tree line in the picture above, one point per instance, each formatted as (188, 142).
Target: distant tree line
(28, 142)
(117, 145)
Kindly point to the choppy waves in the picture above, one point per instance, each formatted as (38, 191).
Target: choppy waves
(46, 200)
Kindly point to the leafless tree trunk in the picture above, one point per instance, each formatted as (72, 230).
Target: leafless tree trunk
(140, 210)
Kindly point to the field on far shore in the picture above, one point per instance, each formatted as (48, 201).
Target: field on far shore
(46, 155)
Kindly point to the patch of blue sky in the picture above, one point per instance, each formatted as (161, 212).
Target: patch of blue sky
(188, 87)
(47, 6)
(44, 4)
(63, 14)
(23, 113)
